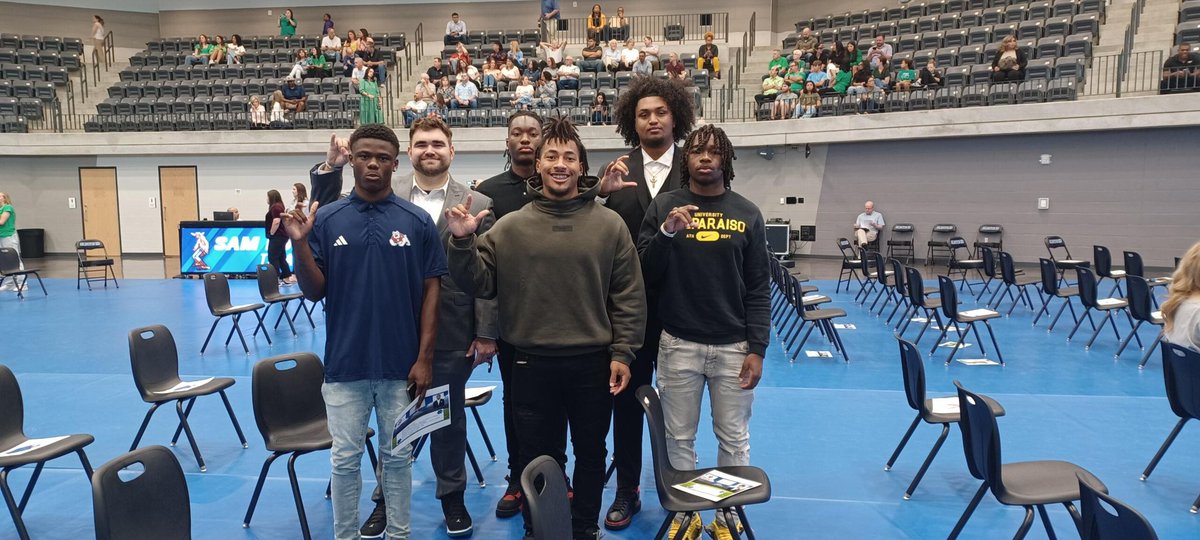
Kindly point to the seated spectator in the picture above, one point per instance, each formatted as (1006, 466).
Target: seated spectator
(459, 57)
(810, 102)
(258, 113)
(601, 111)
(552, 68)
(363, 34)
(777, 61)
(651, 51)
(423, 96)
(473, 73)
(374, 59)
(278, 110)
(879, 52)
(618, 26)
(794, 77)
(456, 31)
(218, 52)
(905, 76)
(858, 80)
(930, 77)
(523, 94)
(612, 57)
(1008, 65)
(629, 55)
(509, 72)
(676, 70)
(870, 100)
(592, 57)
(351, 41)
(841, 79)
(708, 56)
(234, 50)
(807, 45)
(466, 96)
(818, 76)
(567, 74)
(440, 107)
(547, 92)
(532, 69)
(358, 73)
(596, 22)
(798, 58)
(553, 50)
(773, 83)
(293, 95)
(301, 65)
(867, 225)
(318, 66)
(882, 73)
(643, 67)
(331, 45)
(1179, 71)
(445, 91)
(515, 54)
(201, 53)
(437, 71)
(785, 101)
(837, 56)
(853, 55)
(498, 54)
(491, 75)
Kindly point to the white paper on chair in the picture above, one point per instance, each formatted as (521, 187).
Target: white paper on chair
(976, 312)
(977, 362)
(30, 445)
(473, 393)
(847, 326)
(954, 344)
(918, 319)
(185, 386)
(818, 354)
(1156, 314)
(716, 485)
(1109, 302)
(422, 417)
(814, 297)
(944, 405)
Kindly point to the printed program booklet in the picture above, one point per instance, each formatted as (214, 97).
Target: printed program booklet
(716, 486)
(422, 417)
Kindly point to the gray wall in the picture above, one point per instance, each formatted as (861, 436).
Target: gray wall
(39, 188)
(130, 29)
(1130, 190)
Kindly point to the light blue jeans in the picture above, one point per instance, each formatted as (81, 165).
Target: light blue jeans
(348, 406)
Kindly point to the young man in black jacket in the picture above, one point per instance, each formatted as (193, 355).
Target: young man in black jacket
(652, 115)
(704, 251)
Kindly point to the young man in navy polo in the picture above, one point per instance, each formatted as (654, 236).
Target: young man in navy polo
(376, 260)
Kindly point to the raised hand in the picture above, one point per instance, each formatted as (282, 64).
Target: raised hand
(679, 218)
(460, 222)
(297, 224)
(339, 151)
(614, 177)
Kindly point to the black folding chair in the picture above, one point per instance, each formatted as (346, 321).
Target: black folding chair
(10, 267)
(1181, 373)
(545, 490)
(89, 265)
(961, 261)
(1086, 281)
(851, 263)
(939, 241)
(1061, 256)
(154, 504)
(901, 242)
(918, 297)
(1139, 308)
(1010, 278)
(955, 317)
(1097, 523)
(1051, 290)
(268, 288)
(216, 291)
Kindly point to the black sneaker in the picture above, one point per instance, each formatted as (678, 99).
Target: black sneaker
(510, 504)
(376, 523)
(458, 520)
(528, 533)
(591, 533)
(624, 506)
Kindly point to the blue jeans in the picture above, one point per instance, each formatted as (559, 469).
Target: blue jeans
(348, 406)
(567, 83)
(193, 60)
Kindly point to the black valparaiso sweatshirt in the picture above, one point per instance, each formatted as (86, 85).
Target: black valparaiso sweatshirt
(712, 280)
(565, 274)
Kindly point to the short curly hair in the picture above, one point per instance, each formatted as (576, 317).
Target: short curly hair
(378, 132)
(679, 101)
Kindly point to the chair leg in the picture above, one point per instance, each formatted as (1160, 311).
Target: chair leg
(142, 430)
(666, 525)
(262, 478)
(729, 521)
(186, 413)
(37, 473)
(962, 521)
(992, 334)
(903, 441)
(741, 512)
(12, 505)
(236, 427)
(938, 340)
(210, 333)
(1025, 524)
(187, 430)
(296, 496)
(1046, 522)
(683, 528)
(1108, 318)
(483, 431)
(284, 313)
(1087, 311)
(612, 469)
(978, 337)
(958, 343)
(1129, 317)
(1150, 349)
(307, 313)
(928, 460)
(475, 465)
(1163, 449)
(1045, 304)
(1125, 342)
(1075, 517)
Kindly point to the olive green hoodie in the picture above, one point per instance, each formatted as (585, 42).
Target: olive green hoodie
(565, 274)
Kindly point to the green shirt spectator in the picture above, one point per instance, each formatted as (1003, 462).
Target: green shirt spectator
(906, 75)
(772, 84)
(9, 227)
(287, 23)
(842, 81)
(796, 79)
(780, 62)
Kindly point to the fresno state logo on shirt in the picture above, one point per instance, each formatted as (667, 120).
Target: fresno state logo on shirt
(398, 239)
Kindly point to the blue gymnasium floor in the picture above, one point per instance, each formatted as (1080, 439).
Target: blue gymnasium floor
(822, 429)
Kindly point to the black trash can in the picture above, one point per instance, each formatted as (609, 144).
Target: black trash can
(33, 243)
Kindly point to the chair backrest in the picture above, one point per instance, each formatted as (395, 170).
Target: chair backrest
(1008, 271)
(1054, 243)
(1049, 276)
(1133, 264)
(216, 291)
(10, 261)
(648, 398)
(154, 359)
(981, 436)
(1086, 281)
(1098, 523)
(916, 286)
(546, 494)
(945, 228)
(990, 232)
(12, 409)
(1181, 373)
(897, 275)
(949, 297)
(286, 392)
(865, 262)
(957, 243)
(1139, 297)
(847, 250)
(1102, 259)
(82, 248)
(268, 280)
(907, 228)
(914, 374)
(880, 268)
(989, 261)
(155, 504)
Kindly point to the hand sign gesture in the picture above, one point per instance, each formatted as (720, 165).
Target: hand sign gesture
(461, 222)
(679, 218)
(614, 177)
(297, 224)
(339, 151)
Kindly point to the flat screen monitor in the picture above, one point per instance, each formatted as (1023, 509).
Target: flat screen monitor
(222, 216)
(229, 250)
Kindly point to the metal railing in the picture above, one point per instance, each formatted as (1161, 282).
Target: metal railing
(1104, 76)
(692, 25)
(110, 52)
(1143, 72)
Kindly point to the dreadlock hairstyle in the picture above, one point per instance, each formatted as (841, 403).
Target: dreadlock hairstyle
(512, 118)
(560, 129)
(698, 140)
(679, 101)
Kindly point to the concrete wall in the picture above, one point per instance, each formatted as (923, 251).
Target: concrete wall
(130, 28)
(40, 188)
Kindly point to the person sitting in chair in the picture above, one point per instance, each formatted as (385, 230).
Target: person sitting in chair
(867, 225)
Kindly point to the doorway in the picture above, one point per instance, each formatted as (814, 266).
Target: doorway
(179, 201)
(101, 217)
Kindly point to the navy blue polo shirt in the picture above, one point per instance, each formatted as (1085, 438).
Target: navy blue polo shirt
(376, 258)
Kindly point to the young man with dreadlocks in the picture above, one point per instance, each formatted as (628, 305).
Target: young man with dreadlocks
(571, 356)
(704, 251)
(652, 115)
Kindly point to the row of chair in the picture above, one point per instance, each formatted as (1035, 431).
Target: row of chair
(214, 122)
(14, 73)
(973, 27)
(398, 40)
(219, 72)
(47, 58)
(916, 10)
(1047, 48)
(49, 43)
(148, 58)
(220, 104)
(32, 108)
(974, 95)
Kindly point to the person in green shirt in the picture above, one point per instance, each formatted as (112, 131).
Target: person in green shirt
(201, 53)
(842, 81)
(778, 61)
(319, 63)
(905, 76)
(8, 235)
(369, 111)
(287, 23)
(853, 55)
(795, 77)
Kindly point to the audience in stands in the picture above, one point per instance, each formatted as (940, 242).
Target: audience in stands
(777, 61)
(818, 76)
(456, 31)
(806, 44)
(612, 57)
(905, 76)
(550, 16)
(331, 45)
(567, 74)
(1180, 71)
(327, 24)
(810, 102)
(837, 56)
(287, 23)
(773, 83)
(234, 50)
(629, 56)
(258, 113)
(98, 33)
(675, 68)
(301, 65)
(445, 91)
(514, 53)
(523, 94)
(423, 96)
(553, 50)
(592, 57)
(601, 110)
(853, 55)
(879, 52)
(437, 71)
(931, 77)
(1181, 310)
(466, 96)
(509, 72)
(532, 69)
(498, 55)
(547, 91)
(1008, 65)
(293, 95)
(841, 78)
(596, 22)
(278, 109)
(871, 98)
(709, 56)
(794, 77)
(618, 25)
(642, 67)
(218, 52)
(201, 53)
(369, 109)
(452, 62)
(318, 66)
(785, 101)
(491, 75)
(351, 40)
(373, 58)
(859, 75)
(651, 51)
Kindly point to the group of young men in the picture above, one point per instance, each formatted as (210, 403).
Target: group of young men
(581, 286)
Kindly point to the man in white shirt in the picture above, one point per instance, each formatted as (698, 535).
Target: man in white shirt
(651, 51)
(568, 74)
(629, 55)
(331, 46)
(879, 51)
(466, 95)
(456, 31)
(643, 67)
(423, 96)
(867, 225)
(612, 56)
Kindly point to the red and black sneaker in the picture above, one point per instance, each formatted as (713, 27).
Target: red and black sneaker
(624, 506)
(512, 501)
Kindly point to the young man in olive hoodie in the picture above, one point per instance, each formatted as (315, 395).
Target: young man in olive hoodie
(568, 282)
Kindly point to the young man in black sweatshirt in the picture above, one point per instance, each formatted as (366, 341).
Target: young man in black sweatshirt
(704, 254)
(569, 289)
